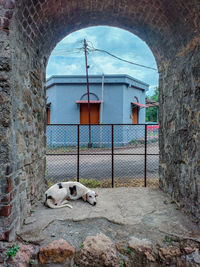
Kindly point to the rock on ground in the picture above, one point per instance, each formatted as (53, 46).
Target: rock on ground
(142, 250)
(58, 251)
(23, 256)
(140, 244)
(98, 251)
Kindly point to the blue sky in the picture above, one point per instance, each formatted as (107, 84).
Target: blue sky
(66, 59)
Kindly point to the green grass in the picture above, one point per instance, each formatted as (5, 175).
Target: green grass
(122, 182)
(91, 183)
(63, 149)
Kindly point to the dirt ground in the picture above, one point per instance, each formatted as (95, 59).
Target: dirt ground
(119, 213)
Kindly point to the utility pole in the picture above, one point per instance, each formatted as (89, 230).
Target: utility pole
(88, 92)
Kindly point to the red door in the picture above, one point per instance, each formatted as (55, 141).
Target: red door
(48, 115)
(135, 115)
(94, 114)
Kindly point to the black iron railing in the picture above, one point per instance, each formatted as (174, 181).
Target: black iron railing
(118, 155)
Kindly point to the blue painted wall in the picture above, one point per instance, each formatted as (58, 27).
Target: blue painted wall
(64, 91)
(119, 92)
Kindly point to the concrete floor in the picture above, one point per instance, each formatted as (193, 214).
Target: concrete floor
(119, 213)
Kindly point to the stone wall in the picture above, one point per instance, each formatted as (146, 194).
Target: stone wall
(22, 115)
(180, 129)
(30, 29)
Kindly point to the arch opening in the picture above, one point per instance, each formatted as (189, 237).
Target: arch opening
(31, 29)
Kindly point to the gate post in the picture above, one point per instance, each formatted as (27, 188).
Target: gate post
(145, 157)
(78, 151)
(112, 134)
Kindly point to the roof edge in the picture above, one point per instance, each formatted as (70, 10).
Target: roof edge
(97, 76)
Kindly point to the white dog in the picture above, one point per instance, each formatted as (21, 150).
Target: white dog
(57, 195)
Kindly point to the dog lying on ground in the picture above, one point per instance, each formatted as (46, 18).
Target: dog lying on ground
(57, 195)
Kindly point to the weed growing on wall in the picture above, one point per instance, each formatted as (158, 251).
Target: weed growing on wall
(12, 251)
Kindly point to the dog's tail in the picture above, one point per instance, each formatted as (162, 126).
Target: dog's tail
(53, 206)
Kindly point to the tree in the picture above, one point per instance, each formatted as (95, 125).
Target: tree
(152, 112)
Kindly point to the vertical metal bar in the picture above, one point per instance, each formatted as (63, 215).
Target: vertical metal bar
(145, 157)
(112, 134)
(88, 92)
(78, 151)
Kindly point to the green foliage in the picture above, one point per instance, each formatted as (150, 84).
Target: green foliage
(47, 171)
(50, 184)
(12, 251)
(121, 263)
(32, 210)
(168, 239)
(133, 141)
(155, 96)
(129, 251)
(152, 112)
(31, 262)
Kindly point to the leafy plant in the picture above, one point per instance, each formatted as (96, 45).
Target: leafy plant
(168, 239)
(49, 184)
(121, 263)
(129, 251)
(133, 141)
(31, 262)
(12, 251)
(32, 210)
(152, 112)
(47, 171)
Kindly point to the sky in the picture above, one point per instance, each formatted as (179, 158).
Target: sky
(68, 59)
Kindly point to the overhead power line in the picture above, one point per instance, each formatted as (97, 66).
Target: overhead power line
(127, 61)
(91, 48)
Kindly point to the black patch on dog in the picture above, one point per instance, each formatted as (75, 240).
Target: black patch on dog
(49, 197)
(60, 185)
(45, 199)
(73, 190)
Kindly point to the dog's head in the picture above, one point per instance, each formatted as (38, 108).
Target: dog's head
(90, 197)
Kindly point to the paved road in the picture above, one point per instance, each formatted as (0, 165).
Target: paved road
(96, 166)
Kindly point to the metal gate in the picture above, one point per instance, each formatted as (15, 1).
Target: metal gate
(114, 155)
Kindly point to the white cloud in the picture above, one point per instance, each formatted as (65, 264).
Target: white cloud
(151, 90)
(66, 59)
(61, 69)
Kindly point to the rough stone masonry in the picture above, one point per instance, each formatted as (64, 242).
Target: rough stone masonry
(30, 29)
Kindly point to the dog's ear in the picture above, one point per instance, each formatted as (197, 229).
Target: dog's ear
(84, 197)
(96, 195)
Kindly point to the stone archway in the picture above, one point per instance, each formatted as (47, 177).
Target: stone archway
(29, 31)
